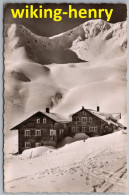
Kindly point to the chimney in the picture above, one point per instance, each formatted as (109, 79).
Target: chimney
(47, 110)
(98, 108)
(82, 107)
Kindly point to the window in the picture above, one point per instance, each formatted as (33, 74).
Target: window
(52, 132)
(38, 132)
(84, 119)
(37, 144)
(61, 131)
(55, 132)
(27, 145)
(74, 129)
(44, 120)
(90, 119)
(83, 129)
(38, 120)
(92, 129)
(27, 132)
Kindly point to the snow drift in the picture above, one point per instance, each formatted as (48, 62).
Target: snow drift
(69, 140)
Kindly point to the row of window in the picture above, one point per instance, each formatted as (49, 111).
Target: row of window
(39, 120)
(38, 132)
(53, 132)
(75, 129)
(83, 119)
(84, 129)
(28, 144)
(28, 132)
(93, 129)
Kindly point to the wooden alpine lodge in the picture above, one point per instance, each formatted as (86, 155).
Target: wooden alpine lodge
(45, 128)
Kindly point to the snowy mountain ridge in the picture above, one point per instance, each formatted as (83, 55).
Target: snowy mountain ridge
(54, 72)
(64, 41)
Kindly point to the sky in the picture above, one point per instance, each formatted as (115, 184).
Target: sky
(48, 27)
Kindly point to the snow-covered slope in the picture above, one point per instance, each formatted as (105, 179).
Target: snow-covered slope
(96, 165)
(102, 41)
(31, 86)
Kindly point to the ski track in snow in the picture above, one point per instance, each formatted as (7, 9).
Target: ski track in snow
(103, 170)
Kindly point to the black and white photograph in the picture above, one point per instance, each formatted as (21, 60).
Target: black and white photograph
(65, 98)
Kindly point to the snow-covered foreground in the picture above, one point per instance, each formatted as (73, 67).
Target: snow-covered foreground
(95, 165)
